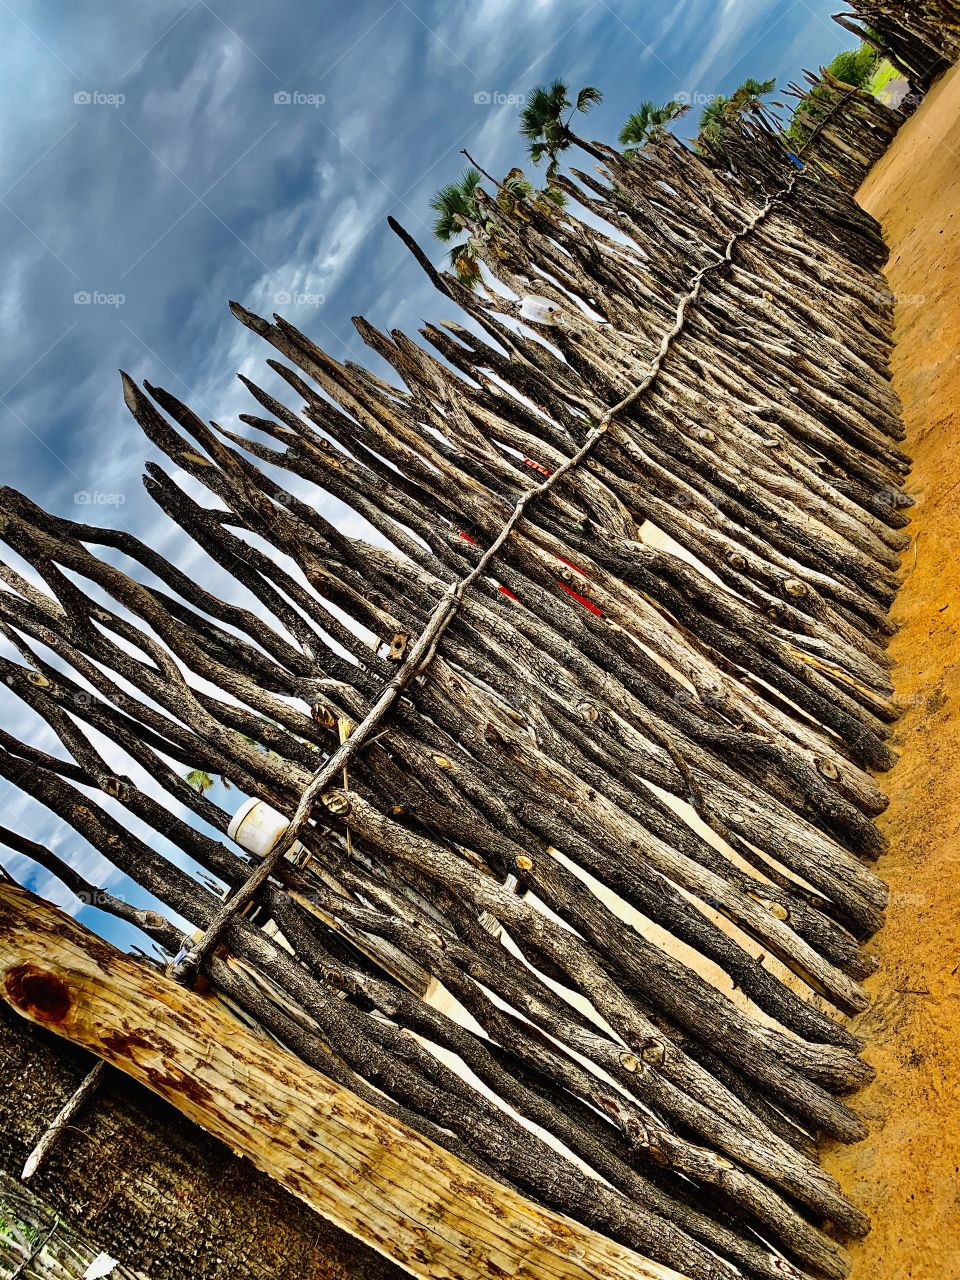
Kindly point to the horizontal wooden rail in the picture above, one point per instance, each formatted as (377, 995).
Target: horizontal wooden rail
(368, 1173)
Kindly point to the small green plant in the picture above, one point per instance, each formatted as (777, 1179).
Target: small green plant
(18, 1231)
(200, 780)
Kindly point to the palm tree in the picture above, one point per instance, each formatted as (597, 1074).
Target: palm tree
(457, 212)
(649, 122)
(722, 112)
(542, 120)
(456, 206)
(747, 99)
(714, 118)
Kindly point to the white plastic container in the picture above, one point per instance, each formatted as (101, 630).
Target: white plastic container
(257, 826)
(539, 309)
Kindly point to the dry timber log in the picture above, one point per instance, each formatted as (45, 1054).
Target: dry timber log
(135, 1178)
(308, 1133)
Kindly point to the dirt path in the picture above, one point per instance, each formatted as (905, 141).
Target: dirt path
(907, 1173)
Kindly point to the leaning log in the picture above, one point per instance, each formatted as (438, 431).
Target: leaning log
(132, 1177)
(371, 1175)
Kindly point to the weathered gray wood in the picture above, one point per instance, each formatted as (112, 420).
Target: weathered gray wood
(656, 683)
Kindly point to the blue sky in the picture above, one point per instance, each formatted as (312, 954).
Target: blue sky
(159, 159)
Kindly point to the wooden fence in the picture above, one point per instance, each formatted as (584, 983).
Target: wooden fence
(848, 128)
(586, 896)
(920, 37)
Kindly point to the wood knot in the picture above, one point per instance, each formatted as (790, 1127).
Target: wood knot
(828, 768)
(630, 1062)
(443, 763)
(398, 646)
(776, 909)
(587, 711)
(38, 994)
(794, 587)
(338, 802)
(523, 863)
(736, 561)
(654, 1052)
(40, 680)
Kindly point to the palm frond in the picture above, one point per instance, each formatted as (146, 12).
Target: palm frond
(636, 125)
(587, 97)
(454, 203)
(649, 121)
(544, 106)
(516, 184)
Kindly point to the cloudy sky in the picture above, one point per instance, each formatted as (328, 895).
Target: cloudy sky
(159, 159)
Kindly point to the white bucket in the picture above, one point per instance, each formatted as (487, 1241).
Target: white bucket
(257, 826)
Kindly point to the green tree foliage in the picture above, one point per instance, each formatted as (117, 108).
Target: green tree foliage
(648, 123)
(456, 209)
(855, 66)
(724, 112)
(545, 120)
(460, 213)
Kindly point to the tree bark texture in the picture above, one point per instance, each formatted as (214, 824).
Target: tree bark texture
(622, 820)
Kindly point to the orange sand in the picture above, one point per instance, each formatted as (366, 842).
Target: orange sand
(906, 1175)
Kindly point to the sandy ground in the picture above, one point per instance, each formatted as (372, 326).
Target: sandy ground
(907, 1173)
